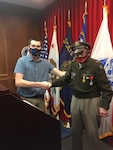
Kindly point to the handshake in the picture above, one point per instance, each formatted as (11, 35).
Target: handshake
(46, 85)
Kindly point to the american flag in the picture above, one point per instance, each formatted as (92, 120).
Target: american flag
(44, 51)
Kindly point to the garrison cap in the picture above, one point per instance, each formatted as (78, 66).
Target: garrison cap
(80, 45)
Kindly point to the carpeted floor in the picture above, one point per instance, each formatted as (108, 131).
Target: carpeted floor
(107, 143)
(66, 143)
(108, 140)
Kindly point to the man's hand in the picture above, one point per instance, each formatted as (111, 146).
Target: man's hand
(49, 84)
(103, 112)
(44, 84)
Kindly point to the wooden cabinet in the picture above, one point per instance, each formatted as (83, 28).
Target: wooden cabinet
(17, 26)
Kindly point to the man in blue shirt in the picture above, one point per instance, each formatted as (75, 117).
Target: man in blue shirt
(31, 74)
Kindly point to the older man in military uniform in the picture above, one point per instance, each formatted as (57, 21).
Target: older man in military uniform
(91, 98)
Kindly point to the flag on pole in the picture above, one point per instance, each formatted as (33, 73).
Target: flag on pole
(65, 60)
(102, 51)
(44, 55)
(54, 59)
(82, 36)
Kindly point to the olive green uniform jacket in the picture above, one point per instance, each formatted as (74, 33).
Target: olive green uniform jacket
(89, 81)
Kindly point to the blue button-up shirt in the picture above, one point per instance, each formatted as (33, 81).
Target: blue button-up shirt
(32, 71)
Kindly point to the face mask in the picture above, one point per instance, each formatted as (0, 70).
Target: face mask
(82, 59)
(35, 51)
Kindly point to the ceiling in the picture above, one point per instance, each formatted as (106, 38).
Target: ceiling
(36, 4)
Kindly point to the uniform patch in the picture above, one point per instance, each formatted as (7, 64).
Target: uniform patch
(100, 66)
(73, 74)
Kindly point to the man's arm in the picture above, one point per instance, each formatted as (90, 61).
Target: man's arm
(19, 81)
(57, 72)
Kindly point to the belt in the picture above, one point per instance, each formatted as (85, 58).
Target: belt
(37, 96)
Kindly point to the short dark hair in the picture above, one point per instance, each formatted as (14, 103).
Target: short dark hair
(34, 39)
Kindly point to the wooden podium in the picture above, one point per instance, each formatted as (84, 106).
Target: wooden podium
(24, 127)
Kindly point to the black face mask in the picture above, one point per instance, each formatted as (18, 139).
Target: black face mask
(35, 51)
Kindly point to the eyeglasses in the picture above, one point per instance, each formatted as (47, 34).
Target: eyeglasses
(81, 53)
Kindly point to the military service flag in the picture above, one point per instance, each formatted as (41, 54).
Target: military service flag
(102, 51)
(66, 57)
(82, 36)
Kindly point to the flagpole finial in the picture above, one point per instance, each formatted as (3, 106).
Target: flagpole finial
(85, 6)
(104, 2)
(68, 15)
(45, 24)
(54, 20)
(45, 27)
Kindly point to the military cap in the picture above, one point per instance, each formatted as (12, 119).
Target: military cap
(78, 46)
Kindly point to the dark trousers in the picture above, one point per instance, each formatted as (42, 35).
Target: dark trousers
(38, 102)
